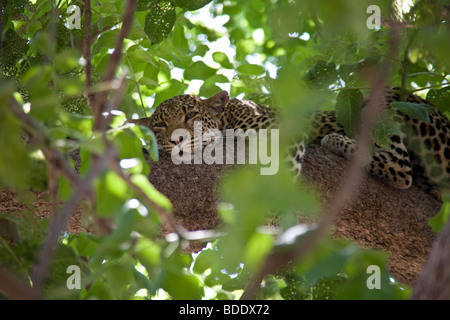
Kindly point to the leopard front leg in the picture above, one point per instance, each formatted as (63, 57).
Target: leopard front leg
(295, 157)
(393, 166)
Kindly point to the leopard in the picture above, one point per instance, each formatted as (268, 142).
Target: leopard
(419, 154)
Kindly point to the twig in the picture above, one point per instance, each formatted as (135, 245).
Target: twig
(117, 97)
(87, 52)
(100, 104)
(136, 84)
(356, 173)
(443, 85)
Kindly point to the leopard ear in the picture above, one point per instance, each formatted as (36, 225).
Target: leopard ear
(217, 103)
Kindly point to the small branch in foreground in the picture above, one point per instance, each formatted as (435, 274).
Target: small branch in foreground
(87, 53)
(100, 104)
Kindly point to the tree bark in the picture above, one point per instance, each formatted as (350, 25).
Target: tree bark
(380, 217)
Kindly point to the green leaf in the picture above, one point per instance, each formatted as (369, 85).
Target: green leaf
(120, 276)
(107, 22)
(222, 59)
(14, 48)
(243, 48)
(250, 69)
(111, 192)
(143, 5)
(191, 4)
(99, 290)
(159, 21)
(440, 219)
(348, 106)
(151, 191)
(179, 40)
(347, 72)
(321, 73)
(151, 144)
(85, 244)
(148, 253)
(66, 60)
(129, 145)
(440, 98)
(386, 127)
(258, 246)
(139, 58)
(14, 160)
(81, 124)
(199, 70)
(208, 90)
(183, 286)
(215, 279)
(418, 73)
(107, 40)
(170, 90)
(414, 110)
(204, 261)
(44, 100)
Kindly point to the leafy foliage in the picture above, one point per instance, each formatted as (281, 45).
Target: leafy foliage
(316, 52)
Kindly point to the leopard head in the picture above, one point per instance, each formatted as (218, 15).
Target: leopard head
(181, 112)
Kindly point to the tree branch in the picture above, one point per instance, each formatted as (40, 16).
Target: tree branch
(100, 105)
(87, 53)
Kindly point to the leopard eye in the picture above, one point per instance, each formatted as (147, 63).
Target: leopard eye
(160, 125)
(191, 115)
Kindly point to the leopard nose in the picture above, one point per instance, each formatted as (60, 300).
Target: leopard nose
(177, 141)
